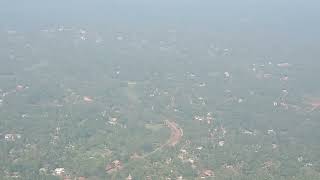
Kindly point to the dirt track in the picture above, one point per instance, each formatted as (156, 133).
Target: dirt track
(175, 136)
(176, 133)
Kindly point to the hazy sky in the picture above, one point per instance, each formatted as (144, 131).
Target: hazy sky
(296, 14)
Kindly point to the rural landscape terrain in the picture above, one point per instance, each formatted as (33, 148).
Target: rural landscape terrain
(86, 103)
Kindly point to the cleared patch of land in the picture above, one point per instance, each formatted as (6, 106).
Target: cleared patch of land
(176, 133)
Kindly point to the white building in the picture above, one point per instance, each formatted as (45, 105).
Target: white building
(59, 171)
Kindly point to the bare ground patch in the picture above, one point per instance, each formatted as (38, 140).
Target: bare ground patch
(176, 133)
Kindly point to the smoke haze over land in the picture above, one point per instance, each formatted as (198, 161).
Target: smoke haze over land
(159, 89)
